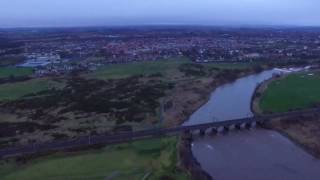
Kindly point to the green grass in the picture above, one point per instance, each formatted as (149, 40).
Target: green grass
(14, 71)
(126, 161)
(165, 67)
(118, 71)
(13, 91)
(231, 65)
(296, 91)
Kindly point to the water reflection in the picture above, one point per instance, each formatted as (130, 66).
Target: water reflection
(230, 101)
(258, 154)
(254, 155)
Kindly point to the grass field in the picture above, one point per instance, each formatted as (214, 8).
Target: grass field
(164, 67)
(118, 71)
(13, 71)
(295, 91)
(231, 65)
(13, 91)
(127, 161)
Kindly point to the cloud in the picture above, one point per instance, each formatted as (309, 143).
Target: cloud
(109, 12)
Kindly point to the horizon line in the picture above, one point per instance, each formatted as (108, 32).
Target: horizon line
(161, 25)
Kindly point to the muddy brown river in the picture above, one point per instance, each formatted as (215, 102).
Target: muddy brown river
(257, 154)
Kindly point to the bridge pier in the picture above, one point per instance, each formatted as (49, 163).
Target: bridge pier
(187, 135)
(225, 129)
(214, 131)
(208, 131)
(237, 126)
(251, 125)
(260, 122)
(254, 124)
(248, 125)
(202, 132)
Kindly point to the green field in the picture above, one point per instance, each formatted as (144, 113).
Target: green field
(296, 91)
(165, 67)
(231, 65)
(118, 71)
(13, 91)
(127, 161)
(14, 71)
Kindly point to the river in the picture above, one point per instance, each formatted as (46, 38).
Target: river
(258, 154)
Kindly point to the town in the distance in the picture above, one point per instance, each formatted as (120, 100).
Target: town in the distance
(61, 51)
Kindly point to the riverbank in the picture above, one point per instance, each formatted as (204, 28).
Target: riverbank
(189, 96)
(260, 89)
(303, 130)
(187, 161)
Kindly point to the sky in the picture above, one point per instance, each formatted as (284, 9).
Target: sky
(35, 13)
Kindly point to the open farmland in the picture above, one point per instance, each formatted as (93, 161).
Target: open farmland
(118, 71)
(6, 72)
(296, 91)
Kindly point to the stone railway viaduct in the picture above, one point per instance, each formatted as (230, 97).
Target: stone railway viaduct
(201, 129)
